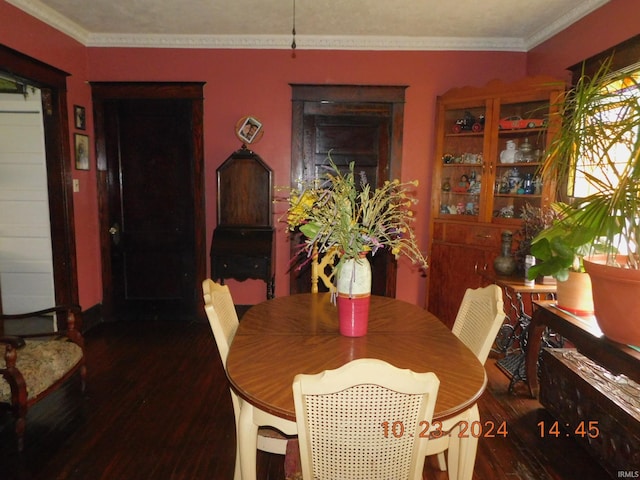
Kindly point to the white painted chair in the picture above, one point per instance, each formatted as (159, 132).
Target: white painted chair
(223, 319)
(363, 420)
(477, 323)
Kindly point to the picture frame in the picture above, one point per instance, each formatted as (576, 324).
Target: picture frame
(249, 129)
(81, 151)
(80, 118)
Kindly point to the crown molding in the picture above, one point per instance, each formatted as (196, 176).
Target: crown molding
(52, 18)
(561, 23)
(305, 42)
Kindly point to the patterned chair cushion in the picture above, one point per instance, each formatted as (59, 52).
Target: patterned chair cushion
(42, 363)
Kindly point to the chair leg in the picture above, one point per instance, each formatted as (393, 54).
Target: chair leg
(237, 472)
(20, 429)
(442, 462)
(83, 377)
(462, 451)
(248, 442)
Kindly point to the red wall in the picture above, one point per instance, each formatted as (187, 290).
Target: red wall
(256, 82)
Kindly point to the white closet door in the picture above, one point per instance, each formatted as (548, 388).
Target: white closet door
(26, 262)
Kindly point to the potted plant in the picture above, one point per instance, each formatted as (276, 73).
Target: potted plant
(559, 251)
(598, 126)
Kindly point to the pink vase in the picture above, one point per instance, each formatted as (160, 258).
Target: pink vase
(354, 293)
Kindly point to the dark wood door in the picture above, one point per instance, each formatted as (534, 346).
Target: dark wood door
(154, 224)
(353, 124)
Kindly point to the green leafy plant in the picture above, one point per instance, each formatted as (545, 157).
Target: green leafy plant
(340, 212)
(559, 248)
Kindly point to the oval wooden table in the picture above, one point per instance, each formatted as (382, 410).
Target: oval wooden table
(282, 337)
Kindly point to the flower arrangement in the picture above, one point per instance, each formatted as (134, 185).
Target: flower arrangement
(334, 212)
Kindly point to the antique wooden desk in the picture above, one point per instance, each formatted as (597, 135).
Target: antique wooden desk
(243, 243)
(280, 338)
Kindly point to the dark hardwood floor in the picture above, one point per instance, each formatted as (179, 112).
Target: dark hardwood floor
(157, 407)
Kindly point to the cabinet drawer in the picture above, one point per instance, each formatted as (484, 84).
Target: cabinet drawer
(240, 267)
(474, 234)
(484, 236)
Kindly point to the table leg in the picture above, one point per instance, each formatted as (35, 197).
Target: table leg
(248, 442)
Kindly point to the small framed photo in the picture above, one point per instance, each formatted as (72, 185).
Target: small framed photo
(82, 151)
(79, 114)
(249, 129)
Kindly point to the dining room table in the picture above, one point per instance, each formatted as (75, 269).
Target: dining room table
(282, 337)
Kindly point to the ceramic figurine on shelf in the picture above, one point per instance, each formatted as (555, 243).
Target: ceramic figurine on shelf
(537, 185)
(504, 184)
(514, 180)
(508, 155)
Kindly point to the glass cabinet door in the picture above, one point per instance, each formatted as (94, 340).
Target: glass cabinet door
(521, 142)
(462, 162)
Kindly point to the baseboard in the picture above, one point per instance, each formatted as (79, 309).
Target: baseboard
(91, 317)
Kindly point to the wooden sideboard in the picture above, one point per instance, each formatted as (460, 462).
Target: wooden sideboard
(592, 391)
(584, 334)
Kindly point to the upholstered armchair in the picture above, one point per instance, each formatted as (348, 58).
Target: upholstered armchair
(35, 364)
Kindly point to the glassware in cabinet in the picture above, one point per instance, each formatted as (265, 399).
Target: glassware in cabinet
(521, 140)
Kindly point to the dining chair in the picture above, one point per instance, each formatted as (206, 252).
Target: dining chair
(366, 419)
(323, 269)
(479, 318)
(221, 313)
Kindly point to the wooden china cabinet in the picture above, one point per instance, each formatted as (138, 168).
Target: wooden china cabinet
(478, 192)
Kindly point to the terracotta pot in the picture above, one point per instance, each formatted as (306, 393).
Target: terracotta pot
(353, 282)
(616, 298)
(574, 294)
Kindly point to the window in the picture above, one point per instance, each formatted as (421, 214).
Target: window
(584, 178)
(591, 173)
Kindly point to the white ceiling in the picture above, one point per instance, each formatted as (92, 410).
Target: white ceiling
(507, 25)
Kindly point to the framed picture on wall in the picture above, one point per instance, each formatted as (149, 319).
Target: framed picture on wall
(249, 129)
(79, 114)
(82, 151)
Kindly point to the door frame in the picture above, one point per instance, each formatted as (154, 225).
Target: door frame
(354, 98)
(105, 91)
(53, 84)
